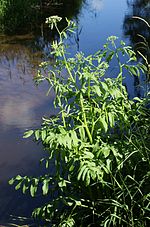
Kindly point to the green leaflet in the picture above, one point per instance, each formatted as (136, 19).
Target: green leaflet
(33, 187)
(106, 151)
(74, 138)
(111, 119)
(25, 188)
(104, 123)
(43, 134)
(45, 187)
(37, 134)
(28, 134)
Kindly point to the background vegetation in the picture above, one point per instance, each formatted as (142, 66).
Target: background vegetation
(23, 16)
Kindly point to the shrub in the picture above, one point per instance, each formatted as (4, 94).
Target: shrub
(98, 142)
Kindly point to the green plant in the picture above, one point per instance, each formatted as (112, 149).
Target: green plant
(97, 144)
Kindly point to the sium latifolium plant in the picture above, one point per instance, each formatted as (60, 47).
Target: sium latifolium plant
(97, 143)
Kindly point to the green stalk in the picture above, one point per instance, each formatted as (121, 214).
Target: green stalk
(63, 118)
(84, 118)
(67, 67)
(120, 65)
(63, 54)
(89, 88)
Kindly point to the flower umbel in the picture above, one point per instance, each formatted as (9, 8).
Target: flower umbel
(53, 20)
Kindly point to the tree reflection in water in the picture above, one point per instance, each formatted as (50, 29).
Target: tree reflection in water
(138, 31)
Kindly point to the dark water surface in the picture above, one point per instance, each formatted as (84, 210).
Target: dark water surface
(22, 104)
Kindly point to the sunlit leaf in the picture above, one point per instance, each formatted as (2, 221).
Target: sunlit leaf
(37, 134)
(25, 188)
(45, 187)
(28, 134)
(106, 151)
(11, 181)
(43, 134)
(104, 123)
(18, 186)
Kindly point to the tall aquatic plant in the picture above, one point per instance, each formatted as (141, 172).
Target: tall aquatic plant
(97, 146)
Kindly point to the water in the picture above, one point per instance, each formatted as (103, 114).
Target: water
(22, 104)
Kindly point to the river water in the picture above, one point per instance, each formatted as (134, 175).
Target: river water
(22, 104)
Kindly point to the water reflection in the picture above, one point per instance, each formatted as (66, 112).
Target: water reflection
(21, 106)
(97, 5)
(21, 103)
(19, 97)
(138, 33)
(136, 29)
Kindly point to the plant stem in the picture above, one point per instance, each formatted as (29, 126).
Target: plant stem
(63, 54)
(84, 118)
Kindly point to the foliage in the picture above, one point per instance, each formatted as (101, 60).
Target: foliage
(22, 16)
(97, 146)
(137, 28)
(144, 45)
(15, 14)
